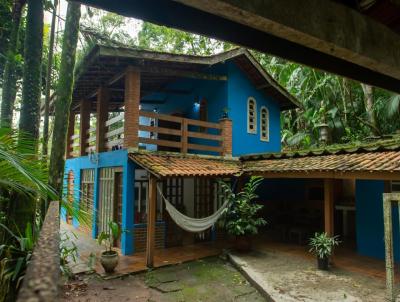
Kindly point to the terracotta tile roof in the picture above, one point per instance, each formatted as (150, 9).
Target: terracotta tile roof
(171, 165)
(377, 156)
(387, 161)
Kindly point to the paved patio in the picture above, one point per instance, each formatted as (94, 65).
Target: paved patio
(288, 273)
(89, 251)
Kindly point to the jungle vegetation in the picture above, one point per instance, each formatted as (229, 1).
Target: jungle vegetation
(37, 60)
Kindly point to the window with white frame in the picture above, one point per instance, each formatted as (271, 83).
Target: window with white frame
(251, 115)
(264, 124)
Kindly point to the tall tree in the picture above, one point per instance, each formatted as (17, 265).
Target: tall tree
(10, 77)
(48, 80)
(29, 117)
(369, 108)
(64, 95)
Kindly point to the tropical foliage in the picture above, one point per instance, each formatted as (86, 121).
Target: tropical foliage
(109, 236)
(241, 214)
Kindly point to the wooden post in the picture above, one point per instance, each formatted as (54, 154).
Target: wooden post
(226, 133)
(389, 258)
(84, 126)
(131, 102)
(184, 136)
(70, 132)
(103, 98)
(151, 221)
(329, 206)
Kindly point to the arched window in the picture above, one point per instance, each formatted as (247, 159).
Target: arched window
(264, 124)
(251, 115)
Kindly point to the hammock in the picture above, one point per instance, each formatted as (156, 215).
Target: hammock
(194, 225)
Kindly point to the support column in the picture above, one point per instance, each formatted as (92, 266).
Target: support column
(103, 98)
(70, 132)
(84, 126)
(151, 221)
(128, 206)
(131, 102)
(226, 133)
(329, 206)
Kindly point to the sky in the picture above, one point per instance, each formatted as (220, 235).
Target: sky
(132, 25)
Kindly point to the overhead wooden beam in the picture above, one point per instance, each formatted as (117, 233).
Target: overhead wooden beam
(151, 221)
(183, 73)
(319, 33)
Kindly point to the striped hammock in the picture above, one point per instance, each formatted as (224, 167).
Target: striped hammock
(193, 225)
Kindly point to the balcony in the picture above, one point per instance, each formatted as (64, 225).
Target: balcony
(155, 132)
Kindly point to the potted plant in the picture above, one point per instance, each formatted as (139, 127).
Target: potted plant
(322, 246)
(109, 257)
(241, 218)
(225, 112)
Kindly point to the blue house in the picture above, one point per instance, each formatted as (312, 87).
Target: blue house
(145, 124)
(141, 119)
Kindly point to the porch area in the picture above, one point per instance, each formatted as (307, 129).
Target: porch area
(89, 252)
(288, 272)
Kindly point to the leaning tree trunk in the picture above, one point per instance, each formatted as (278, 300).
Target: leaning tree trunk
(10, 77)
(64, 96)
(48, 80)
(369, 108)
(29, 116)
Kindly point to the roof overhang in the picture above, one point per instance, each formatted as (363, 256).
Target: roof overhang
(106, 65)
(161, 165)
(319, 33)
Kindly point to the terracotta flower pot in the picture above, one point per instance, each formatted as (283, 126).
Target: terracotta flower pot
(109, 260)
(243, 243)
(323, 263)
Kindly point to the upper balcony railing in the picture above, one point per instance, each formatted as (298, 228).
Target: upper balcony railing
(166, 132)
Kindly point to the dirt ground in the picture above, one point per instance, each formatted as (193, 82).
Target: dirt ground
(288, 278)
(211, 279)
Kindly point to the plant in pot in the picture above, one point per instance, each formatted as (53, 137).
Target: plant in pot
(241, 218)
(322, 246)
(225, 112)
(109, 257)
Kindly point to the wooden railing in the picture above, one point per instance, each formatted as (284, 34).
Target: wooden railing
(74, 145)
(167, 132)
(114, 136)
(91, 139)
(182, 134)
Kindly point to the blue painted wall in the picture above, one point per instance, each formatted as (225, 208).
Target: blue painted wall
(117, 158)
(220, 94)
(240, 89)
(369, 220)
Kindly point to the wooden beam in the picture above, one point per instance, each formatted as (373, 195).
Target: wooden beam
(179, 73)
(319, 33)
(151, 221)
(329, 206)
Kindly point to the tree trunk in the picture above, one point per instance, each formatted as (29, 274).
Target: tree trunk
(48, 81)
(29, 117)
(369, 107)
(10, 77)
(64, 96)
